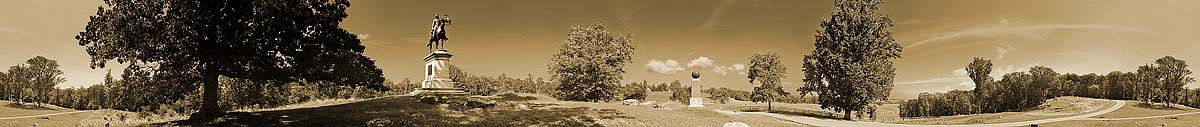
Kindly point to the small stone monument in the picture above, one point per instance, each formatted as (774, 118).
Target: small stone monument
(696, 101)
(437, 64)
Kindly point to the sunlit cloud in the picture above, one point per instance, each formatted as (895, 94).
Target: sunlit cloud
(700, 62)
(667, 66)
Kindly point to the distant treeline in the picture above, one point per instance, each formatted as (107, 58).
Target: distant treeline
(721, 95)
(138, 91)
(1160, 82)
(484, 85)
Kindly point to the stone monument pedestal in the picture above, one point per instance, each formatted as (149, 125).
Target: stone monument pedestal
(696, 101)
(437, 76)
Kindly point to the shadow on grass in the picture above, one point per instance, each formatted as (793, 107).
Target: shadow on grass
(1155, 106)
(27, 107)
(405, 111)
(789, 111)
(514, 97)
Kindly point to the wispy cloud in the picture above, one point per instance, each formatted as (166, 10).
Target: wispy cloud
(15, 31)
(714, 24)
(625, 13)
(935, 80)
(1035, 32)
(1003, 50)
(724, 70)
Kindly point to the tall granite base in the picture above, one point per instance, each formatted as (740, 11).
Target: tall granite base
(437, 76)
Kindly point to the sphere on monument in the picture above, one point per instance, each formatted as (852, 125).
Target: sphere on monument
(695, 75)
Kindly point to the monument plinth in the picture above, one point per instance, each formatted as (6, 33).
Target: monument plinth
(437, 64)
(437, 75)
(696, 100)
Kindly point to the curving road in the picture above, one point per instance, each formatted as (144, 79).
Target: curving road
(843, 123)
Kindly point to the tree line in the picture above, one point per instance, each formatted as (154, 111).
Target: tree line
(1160, 82)
(195, 43)
(31, 81)
(484, 85)
(136, 90)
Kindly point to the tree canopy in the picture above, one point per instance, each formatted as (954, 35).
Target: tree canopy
(588, 66)
(32, 80)
(186, 42)
(767, 68)
(851, 65)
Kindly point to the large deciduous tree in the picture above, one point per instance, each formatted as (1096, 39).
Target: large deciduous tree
(979, 70)
(1173, 74)
(1045, 83)
(189, 42)
(851, 66)
(767, 68)
(588, 64)
(34, 80)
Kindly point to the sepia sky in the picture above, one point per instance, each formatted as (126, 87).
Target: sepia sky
(714, 37)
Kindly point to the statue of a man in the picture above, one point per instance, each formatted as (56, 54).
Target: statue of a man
(438, 32)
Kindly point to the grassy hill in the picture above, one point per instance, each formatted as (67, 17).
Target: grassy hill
(1052, 108)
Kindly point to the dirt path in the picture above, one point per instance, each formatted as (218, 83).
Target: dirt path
(841, 123)
(31, 116)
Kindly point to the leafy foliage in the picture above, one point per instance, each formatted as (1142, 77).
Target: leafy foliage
(484, 85)
(635, 90)
(851, 66)
(31, 81)
(768, 69)
(681, 94)
(1160, 82)
(955, 102)
(188, 42)
(721, 95)
(588, 66)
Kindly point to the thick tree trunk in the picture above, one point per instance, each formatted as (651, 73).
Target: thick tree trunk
(769, 109)
(846, 114)
(209, 107)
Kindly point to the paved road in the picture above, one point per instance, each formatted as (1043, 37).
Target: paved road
(843, 123)
(1144, 117)
(32, 116)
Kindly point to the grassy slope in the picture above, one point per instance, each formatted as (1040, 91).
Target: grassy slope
(10, 109)
(1139, 109)
(1055, 108)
